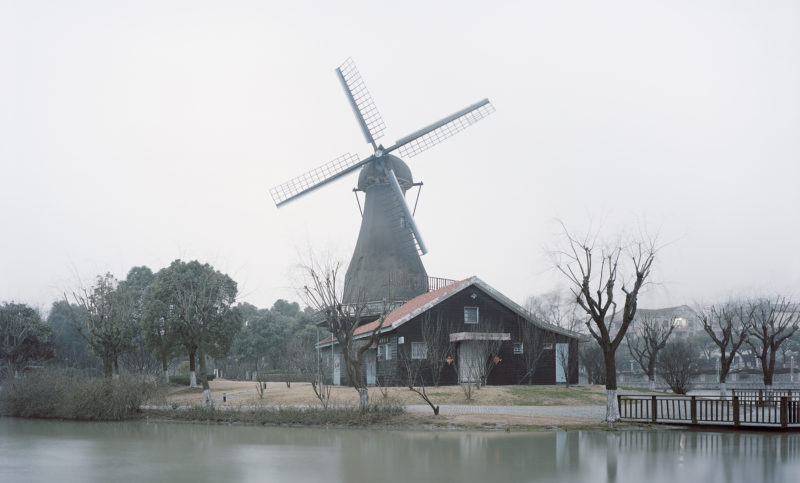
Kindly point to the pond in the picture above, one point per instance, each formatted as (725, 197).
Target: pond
(38, 451)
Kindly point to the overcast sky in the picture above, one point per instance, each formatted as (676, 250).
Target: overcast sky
(135, 133)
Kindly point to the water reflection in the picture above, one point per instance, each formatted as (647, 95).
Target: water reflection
(66, 451)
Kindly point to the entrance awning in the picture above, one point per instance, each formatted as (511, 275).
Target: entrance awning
(461, 336)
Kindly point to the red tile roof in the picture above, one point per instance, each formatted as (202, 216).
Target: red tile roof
(407, 308)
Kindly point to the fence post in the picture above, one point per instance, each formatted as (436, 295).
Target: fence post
(784, 412)
(736, 410)
(693, 410)
(619, 405)
(654, 409)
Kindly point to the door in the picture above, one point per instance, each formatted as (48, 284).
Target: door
(468, 361)
(371, 356)
(337, 370)
(562, 361)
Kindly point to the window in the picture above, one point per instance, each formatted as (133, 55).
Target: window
(470, 315)
(517, 347)
(548, 347)
(419, 350)
(385, 352)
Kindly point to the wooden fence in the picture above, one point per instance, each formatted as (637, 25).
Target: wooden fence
(769, 411)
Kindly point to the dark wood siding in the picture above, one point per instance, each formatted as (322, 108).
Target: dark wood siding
(493, 317)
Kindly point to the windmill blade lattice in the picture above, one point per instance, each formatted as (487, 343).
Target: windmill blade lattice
(363, 105)
(315, 178)
(437, 132)
(408, 218)
(395, 208)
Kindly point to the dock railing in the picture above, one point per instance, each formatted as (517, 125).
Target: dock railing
(775, 411)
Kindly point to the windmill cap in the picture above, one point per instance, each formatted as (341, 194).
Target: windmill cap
(370, 175)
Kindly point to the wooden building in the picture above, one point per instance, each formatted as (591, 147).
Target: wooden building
(466, 331)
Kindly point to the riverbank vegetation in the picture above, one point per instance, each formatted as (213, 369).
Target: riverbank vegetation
(64, 394)
(382, 413)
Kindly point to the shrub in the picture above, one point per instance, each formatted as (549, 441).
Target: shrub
(52, 393)
(292, 415)
(184, 380)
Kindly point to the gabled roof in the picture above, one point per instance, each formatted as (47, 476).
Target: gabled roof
(427, 301)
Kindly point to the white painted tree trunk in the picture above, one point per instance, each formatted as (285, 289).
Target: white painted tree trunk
(652, 384)
(207, 397)
(723, 389)
(363, 398)
(612, 408)
(192, 379)
(166, 377)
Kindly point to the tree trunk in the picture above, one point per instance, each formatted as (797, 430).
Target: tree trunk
(612, 405)
(363, 398)
(765, 369)
(201, 356)
(192, 375)
(164, 368)
(652, 384)
(108, 367)
(723, 389)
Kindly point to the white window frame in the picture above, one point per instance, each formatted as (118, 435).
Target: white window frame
(548, 347)
(519, 348)
(386, 352)
(477, 314)
(415, 350)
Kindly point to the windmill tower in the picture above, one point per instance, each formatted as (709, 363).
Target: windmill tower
(386, 262)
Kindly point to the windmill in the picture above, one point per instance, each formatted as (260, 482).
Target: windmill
(386, 262)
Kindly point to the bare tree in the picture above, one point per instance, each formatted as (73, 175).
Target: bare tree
(490, 355)
(435, 333)
(727, 325)
(592, 358)
(533, 341)
(414, 380)
(774, 321)
(323, 292)
(594, 289)
(677, 365)
(649, 337)
(107, 322)
(555, 309)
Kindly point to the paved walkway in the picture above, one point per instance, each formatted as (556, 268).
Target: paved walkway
(593, 412)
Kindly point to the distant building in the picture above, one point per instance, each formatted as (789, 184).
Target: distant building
(685, 320)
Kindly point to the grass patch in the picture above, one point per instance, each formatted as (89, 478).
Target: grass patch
(553, 396)
(289, 415)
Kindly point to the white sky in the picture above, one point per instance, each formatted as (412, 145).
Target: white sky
(134, 133)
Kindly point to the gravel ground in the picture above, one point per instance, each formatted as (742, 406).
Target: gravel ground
(591, 412)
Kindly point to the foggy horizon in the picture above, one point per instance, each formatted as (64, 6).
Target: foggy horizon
(137, 135)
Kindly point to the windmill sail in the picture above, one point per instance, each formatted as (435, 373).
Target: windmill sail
(316, 178)
(437, 132)
(408, 218)
(361, 101)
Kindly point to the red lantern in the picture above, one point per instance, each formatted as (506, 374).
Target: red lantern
(497, 360)
(449, 360)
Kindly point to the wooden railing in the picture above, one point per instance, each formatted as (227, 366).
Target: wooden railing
(771, 411)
